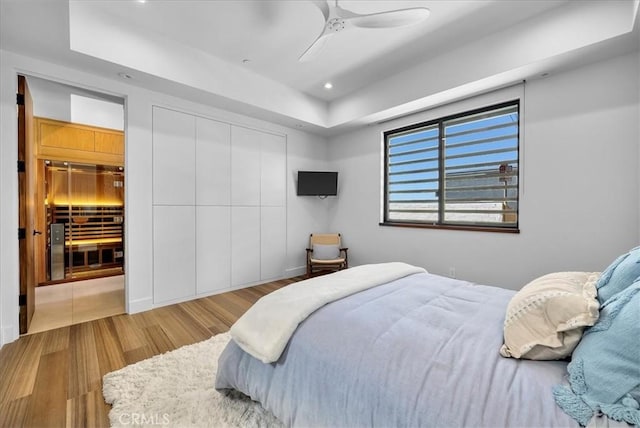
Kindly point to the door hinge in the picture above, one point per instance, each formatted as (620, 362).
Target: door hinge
(20, 99)
(22, 233)
(22, 300)
(22, 167)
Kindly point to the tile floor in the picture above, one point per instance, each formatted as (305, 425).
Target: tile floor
(75, 302)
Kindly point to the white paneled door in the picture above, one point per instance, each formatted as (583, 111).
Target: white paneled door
(174, 253)
(273, 168)
(219, 206)
(213, 162)
(245, 245)
(213, 248)
(245, 166)
(273, 248)
(173, 157)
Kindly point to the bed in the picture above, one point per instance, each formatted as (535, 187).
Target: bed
(421, 350)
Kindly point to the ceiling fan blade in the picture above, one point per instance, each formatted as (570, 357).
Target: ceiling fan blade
(393, 18)
(315, 48)
(323, 6)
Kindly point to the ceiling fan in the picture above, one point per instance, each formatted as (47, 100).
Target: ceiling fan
(338, 19)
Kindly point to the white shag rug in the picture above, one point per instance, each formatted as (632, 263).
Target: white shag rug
(176, 389)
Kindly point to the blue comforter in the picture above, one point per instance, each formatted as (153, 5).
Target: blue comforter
(420, 351)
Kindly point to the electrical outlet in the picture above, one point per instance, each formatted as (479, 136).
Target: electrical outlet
(452, 272)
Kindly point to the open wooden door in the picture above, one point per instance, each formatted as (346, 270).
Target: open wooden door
(27, 231)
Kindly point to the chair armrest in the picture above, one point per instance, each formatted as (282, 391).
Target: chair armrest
(344, 249)
(309, 250)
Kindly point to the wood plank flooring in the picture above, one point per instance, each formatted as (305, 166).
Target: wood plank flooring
(54, 378)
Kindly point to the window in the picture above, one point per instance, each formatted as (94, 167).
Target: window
(458, 171)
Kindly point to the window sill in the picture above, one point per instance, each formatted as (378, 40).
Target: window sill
(452, 227)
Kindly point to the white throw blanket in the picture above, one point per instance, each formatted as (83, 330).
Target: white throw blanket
(265, 329)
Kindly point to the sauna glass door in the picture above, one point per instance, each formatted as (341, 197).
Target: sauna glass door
(85, 219)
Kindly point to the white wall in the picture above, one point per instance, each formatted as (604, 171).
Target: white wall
(71, 104)
(579, 196)
(305, 214)
(305, 151)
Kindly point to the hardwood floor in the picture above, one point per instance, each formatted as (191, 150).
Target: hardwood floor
(54, 378)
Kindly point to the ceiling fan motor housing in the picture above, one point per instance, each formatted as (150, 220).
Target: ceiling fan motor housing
(335, 24)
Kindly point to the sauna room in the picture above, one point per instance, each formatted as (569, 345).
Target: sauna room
(75, 194)
(84, 216)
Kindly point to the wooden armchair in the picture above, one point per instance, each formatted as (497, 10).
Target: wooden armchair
(326, 253)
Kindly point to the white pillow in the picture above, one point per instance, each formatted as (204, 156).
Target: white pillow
(545, 319)
(325, 252)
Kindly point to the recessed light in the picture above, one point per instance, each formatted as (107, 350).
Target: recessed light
(142, 1)
(125, 76)
(328, 85)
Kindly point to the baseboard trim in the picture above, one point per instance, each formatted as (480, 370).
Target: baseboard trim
(8, 335)
(295, 271)
(140, 305)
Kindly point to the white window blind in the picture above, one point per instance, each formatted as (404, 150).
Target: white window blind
(460, 170)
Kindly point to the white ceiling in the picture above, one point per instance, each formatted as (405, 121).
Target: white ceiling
(273, 34)
(198, 49)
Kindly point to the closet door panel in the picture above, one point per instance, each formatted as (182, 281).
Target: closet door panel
(213, 162)
(245, 166)
(273, 166)
(245, 245)
(273, 241)
(173, 157)
(174, 253)
(213, 248)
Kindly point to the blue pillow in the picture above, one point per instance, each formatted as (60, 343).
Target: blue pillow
(604, 372)
(619, 275)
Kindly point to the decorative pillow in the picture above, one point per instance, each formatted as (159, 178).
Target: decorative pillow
(604, 372)
(325, 252)
(619, 275)
(545, 319)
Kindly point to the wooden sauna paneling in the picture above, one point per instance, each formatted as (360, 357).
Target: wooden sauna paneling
(107, 142)
(66, 137)
(72, 142)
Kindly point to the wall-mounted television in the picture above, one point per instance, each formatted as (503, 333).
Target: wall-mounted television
(317, 183)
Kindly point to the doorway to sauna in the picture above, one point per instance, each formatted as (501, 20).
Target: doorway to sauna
(74, 184)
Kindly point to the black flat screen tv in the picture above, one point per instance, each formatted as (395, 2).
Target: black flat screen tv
(317, 183)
